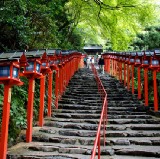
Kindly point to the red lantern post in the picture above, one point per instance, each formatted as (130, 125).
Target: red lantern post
(45, 69)
(54, 66)
(131, 62)
(154, 66)
(128, 70)
(145, 65)
(9, 76)
(31, 72)
(138, 59)
(124, 58)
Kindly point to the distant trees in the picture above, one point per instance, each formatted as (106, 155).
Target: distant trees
(149, 39)
(71, 23)
(117, 21)
(36, 23)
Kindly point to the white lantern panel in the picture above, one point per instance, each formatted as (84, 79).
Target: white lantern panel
(145, 62)
(30, 67)
(155, 62)
(38, 67)
(15, 72)
(132, 60)
(4, 71)
(44, 64)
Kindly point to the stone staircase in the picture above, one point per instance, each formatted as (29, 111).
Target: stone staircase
(70, 132)
(131, 132)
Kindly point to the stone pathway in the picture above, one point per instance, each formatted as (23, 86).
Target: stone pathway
(131, 132)
(70, 133)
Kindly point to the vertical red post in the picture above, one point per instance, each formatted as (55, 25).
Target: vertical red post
(139, 83)
(146, 86)
(155, 90)
(115, 62)
(67, 74)
(56, 88)
(60, 81)
(132, 79)
(5, 122)
(30, 109)
(41, 108)
(120, 71)
(64, 78)
(124, 74)
(105, 64)
(109, 63)
(50, 76)
(128, 77)
(99, 147)
(70, 66)
(111, 66)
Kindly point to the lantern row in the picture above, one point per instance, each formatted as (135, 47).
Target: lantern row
(31, 62)
(34, 64)
(145, 59)
(116, 62)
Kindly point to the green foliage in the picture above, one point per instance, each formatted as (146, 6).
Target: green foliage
(148, 39)
(117, 21)
(37, 24)
(71, 24)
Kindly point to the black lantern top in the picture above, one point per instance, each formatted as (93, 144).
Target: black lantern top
(9, 72)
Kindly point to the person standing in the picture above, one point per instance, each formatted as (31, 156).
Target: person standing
(101, 64)
(88, 62)
(85, 61)
(92, 60)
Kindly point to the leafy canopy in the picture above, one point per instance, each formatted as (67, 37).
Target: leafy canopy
(71, 23)
(115, 20)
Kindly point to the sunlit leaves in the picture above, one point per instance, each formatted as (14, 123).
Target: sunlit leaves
(116, 20)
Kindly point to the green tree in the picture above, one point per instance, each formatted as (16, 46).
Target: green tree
(148, 39)
(36, 23)
(116, 20)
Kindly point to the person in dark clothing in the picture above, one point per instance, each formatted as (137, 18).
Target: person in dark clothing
(101, 64)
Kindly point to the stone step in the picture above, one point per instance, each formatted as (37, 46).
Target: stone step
(110, 121)
(89, 106)
(129, 116)
(110, 133)
(97, 111)
(76, 111)
(71, 125)
(68, 97)
(136, 150)
(82, 100)
(37, 148)
(97, 106)
(155, 141)
(76, 116)
(126, 113)
(133, 121)
(133, 127)
(91, 121)
(129, 104)
(94, 116)
(87, 91)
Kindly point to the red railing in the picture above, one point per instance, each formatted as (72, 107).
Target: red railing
(103, 118)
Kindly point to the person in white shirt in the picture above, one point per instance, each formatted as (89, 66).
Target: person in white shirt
(88, 62)
(92, 60)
